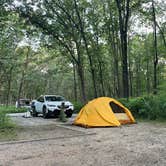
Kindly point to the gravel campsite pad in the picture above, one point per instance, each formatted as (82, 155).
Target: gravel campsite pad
(130, 145)
(45, 132)
(39, 128)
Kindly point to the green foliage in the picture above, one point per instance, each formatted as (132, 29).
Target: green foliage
(147, 107)
(5, 122)
(11, 109)
(77, 106)
(3, 119)
(63, 29)
(7, 128)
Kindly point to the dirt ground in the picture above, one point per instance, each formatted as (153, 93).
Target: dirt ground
(48, 142)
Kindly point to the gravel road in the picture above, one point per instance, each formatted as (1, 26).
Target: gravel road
(142, 144)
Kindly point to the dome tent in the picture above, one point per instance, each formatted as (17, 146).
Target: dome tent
(104, 111)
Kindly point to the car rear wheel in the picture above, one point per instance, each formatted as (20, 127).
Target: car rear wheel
(45, 113)
(69, 115)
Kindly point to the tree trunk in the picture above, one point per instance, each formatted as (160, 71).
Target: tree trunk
(101, 78)
(75, 82)
(81, 76)
(87, 50)
(20, 88)
(125, 67)
(155, 58)
(23, 75)
(162, 33)
(147, 77)
(9, 86)
(113, 39)
(130, 78)
(147, 68)
(138, 81)
(123, 10)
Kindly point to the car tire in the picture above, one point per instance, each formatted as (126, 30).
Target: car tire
(69, 115)
(34, 113)
(45, 113)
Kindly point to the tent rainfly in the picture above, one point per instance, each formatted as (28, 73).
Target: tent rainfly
(102, 112)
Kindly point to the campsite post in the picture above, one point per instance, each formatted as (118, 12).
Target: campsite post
(62, 115)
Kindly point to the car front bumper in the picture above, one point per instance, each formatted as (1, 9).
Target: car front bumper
(56, 112)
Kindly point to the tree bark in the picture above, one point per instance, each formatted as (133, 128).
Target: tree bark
(155, 57)
(130, 77)
(138, 81)
(162, 33)
(75, 82)
(23, 75)
(86, 48)
(113, 48)
(147, 68)
(101, 77)
(9, 86)
(81, 76)
(123, 10)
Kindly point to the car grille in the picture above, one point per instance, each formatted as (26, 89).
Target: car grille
(66, 106)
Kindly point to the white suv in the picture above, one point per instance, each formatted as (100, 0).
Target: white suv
(50, 105)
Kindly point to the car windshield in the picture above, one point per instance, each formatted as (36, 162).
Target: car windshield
(54, 98)
(24, 102)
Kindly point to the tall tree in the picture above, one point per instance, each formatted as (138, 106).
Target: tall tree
(124, 14)
(155, 57)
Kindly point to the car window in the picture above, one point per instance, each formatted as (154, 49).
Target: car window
(24, 102)
(40, 99)
(54, 98)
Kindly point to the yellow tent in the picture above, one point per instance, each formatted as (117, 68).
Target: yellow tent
(103, 111)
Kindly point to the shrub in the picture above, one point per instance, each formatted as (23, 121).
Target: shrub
(7, 128)
(5, 121)
(147, 107)
(77, 106)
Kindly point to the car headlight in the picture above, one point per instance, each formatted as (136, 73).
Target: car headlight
(71, 106)
(49, 105)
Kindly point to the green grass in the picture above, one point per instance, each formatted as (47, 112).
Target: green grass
(11, 109)
(7, 127)
(8, 134)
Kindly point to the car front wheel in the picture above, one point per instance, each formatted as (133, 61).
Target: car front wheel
(69, 113)
(45, 113)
